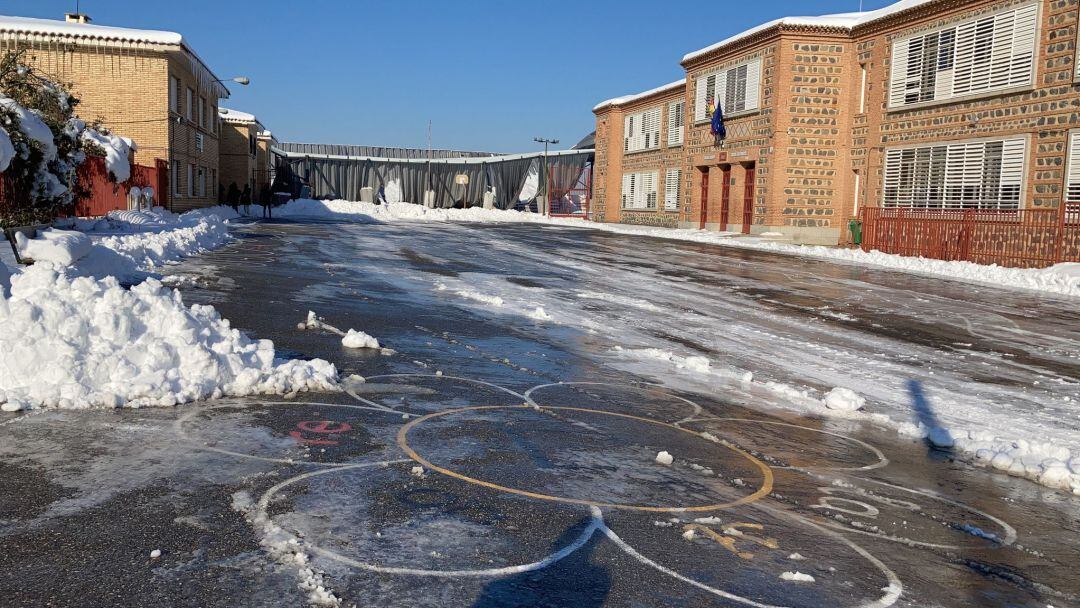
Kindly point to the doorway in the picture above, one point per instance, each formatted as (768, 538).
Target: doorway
(748, 198)
(704, 197)
(725, 198)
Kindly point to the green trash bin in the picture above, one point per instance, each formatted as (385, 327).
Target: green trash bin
(856, 231)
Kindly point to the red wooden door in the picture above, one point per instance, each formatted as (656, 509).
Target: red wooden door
(748, 200)
(704, 198)
(725, 196)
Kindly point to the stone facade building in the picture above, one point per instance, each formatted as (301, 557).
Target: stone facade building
(148, 85)
(939, 104)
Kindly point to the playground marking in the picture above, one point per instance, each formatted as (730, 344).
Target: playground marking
(882, 460)
(402, 440)
(697, 409)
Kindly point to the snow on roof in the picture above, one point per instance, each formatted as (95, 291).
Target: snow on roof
(230, 115)
(109, 34)
(618, 101)
(845, 21)
(85, 30)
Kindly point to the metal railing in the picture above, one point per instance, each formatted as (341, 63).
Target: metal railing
(1024, 238)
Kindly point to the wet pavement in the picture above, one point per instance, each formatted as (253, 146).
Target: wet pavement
(501, 455)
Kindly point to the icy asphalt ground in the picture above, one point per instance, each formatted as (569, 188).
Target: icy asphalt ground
(536, 493)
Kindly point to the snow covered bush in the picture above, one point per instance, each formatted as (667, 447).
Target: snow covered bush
(43, 143)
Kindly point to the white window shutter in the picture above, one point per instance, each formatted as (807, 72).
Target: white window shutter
(675, 123)
(671, 189)
(975, 175)
(898, 73)
(1072, 180)
(753, 84)
(701, 98)
(1024, 43)
(720, 94)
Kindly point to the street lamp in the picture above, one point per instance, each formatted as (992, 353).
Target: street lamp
(547, 185)
(241, 80)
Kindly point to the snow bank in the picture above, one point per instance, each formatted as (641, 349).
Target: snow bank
(844, 399)
(1063, 279)
(82, 342)
(126, 244)
(117, 152)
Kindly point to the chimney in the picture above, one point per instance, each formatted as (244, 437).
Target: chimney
(77, 18)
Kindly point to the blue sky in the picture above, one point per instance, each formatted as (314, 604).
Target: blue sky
(490, 75)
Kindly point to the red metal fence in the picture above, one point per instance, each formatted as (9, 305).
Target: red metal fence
(105, 195)
(101, 194)
(1026, 238)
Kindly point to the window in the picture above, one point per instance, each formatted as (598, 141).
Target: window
(862, 89)
(737, 89)
(191, 180)
(176, 178)
(1072, 174)
(190, 107)
(675, 122)
(202, 112)
(639, 191)
(980, 55)
(200, 182)
(641, 131)
(672, 187)
(212, 119)
(975, 175)
(174, 94)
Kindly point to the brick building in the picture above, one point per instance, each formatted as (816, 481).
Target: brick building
(148, 85)
(245, 150)
(939, 104)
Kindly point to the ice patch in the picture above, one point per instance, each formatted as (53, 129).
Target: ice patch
(797, 577)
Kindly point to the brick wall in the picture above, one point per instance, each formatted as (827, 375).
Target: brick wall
(817, 141)
(127, 90)
(237, 164)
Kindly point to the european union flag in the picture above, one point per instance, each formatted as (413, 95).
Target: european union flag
(719, 131)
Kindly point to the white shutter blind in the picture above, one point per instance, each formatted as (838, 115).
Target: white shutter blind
(672, 182)
(1072, 179)
(984, 54)
(649, 197)
(977, 175)
(651, 128)
(701, 97)
(675, 123)
(753, 84)
(627, 190)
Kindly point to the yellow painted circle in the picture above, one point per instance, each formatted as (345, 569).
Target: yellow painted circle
(402, 439)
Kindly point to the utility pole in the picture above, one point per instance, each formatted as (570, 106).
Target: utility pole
(547, 176)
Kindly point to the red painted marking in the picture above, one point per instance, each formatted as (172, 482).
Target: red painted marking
(328, 427)
(324, 426)
(297, 435)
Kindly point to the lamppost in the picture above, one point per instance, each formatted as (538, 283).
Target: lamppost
(240, 80)
(547, 185)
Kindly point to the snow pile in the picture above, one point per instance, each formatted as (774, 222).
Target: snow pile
(358, 339)
(127, 244)
(1063, 279)
(63, 247)
(844, 400)
(797, 577)
(82, 342)
(117, 152)
(664, 458)
(694, 363)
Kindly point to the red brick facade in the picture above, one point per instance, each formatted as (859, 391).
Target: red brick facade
(814, 148)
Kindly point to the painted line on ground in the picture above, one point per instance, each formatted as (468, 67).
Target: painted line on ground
(882, 459)
(403, 443)
(697, 409)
